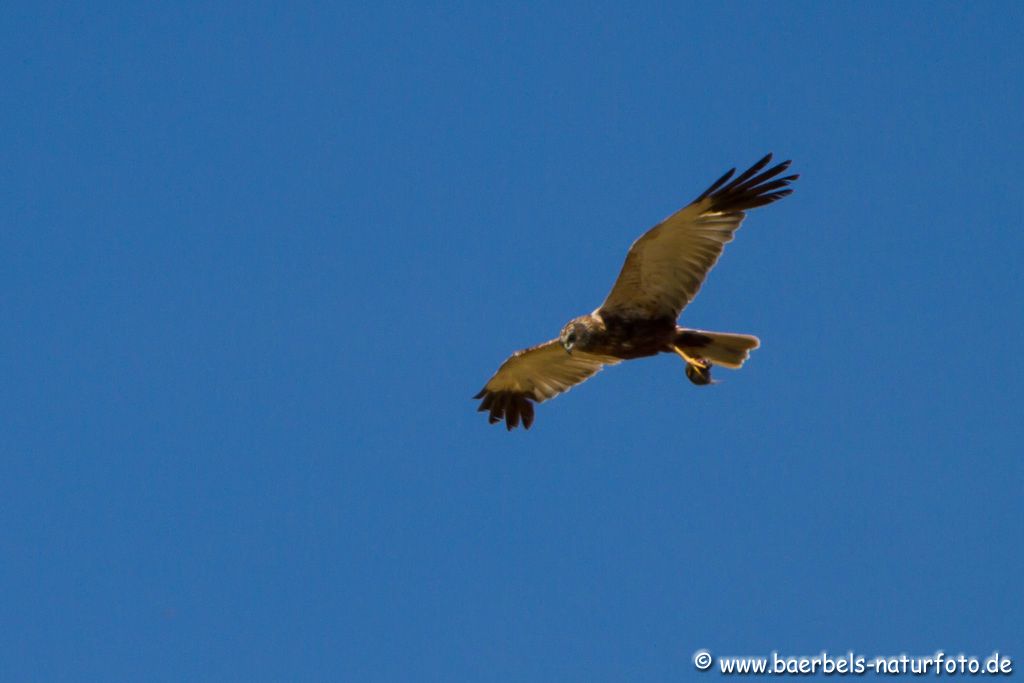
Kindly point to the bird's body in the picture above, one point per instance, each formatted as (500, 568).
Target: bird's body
(662, 274)
(623, 337)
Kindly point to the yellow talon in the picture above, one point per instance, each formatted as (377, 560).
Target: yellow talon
(698, 370)
(690, 360)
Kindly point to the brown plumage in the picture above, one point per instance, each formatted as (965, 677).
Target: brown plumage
(663, 272)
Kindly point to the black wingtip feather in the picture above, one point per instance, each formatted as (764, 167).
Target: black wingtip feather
(743, 177)
(718, 183)
(514, 408)
(512, 414)
(527, 408)
(750, 189)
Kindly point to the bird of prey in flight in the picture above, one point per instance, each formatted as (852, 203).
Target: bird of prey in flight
(663, 272)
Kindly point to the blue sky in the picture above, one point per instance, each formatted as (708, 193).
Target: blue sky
(256, 258)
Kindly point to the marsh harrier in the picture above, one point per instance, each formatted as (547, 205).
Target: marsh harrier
(663, 272)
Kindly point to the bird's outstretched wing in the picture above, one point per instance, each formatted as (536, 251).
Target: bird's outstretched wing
(535, 374)
(665, 267)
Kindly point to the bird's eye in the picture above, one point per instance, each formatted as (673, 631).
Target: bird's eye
(571, 338)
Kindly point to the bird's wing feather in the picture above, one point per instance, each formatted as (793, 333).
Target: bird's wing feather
(535, 374)
(665, 268)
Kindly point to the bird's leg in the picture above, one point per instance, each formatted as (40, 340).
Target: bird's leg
(691, 360)
(697, 369)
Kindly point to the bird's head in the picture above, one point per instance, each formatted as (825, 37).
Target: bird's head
(574, 335)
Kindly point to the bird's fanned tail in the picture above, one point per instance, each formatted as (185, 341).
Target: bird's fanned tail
(720, 348)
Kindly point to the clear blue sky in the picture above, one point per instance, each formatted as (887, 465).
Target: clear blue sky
(256, 259)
